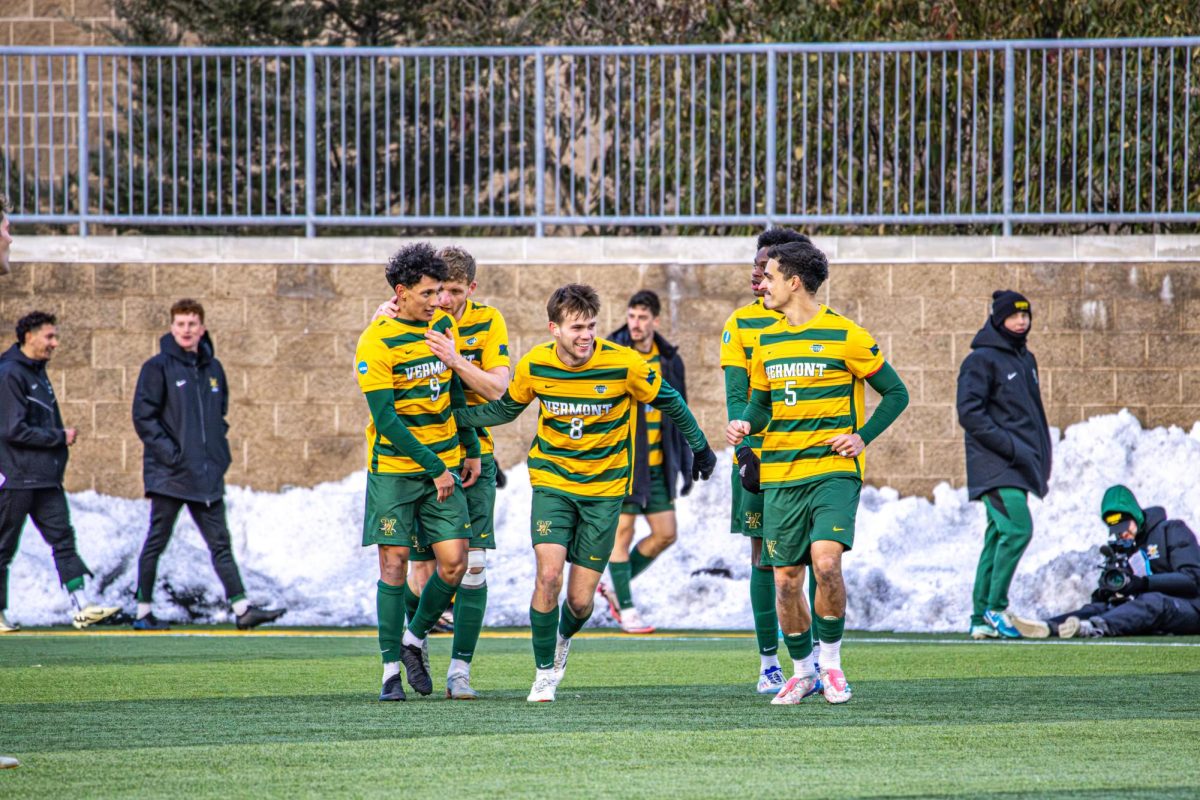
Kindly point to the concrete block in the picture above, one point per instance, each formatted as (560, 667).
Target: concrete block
(362, 280)
(302, 350)
(881, 315)
(257, 249)
(980, 280)
(244, 280)
(921, 351)
(1114, 248)
(183, 280)
(878, 249)
(120, 348)
(1181, 416)
(937, 386)
(250, 420)
(1041, 281)
(64, 279)
(352, 417)
(125, 279)
(309, 281)
(1059, 350)
(281, 315)
(334, 457)
(186, 249)
(927, 422)
(953, 248)
(1033, 248)
(1080, 387)
(930, 280)
(247, 351)
(326, 384)
(1177, 247)
(1064, 415)
(112, 249)
(1118, 350)
(943, 457)
(1177, 350)
(571, 250)
(1149, 387)
(117, 484)
(112, 420)
(302, 420)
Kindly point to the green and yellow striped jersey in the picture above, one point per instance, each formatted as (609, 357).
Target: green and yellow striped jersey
(585, 431)
(738, 340)
(653, 417)
(815, 375)
(483, 340)
(392, 354)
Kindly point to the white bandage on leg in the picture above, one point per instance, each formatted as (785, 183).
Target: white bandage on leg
(476, 559)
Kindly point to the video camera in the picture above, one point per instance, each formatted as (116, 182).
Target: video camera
(1115, 571)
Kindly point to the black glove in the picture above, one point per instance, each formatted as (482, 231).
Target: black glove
(748, 469)
(703, 463)
(1135, 584)
(501, 478)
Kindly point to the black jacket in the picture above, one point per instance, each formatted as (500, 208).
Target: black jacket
(33, 442)
(1172, 556)
(1004, 423)
(179, 413)
(677, 455)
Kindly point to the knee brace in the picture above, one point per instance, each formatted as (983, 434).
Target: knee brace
(476, 559)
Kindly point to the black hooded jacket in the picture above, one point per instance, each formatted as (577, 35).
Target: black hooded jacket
(1004, 423)
(179, 413)
(33, 442)
(1172, 555)
(677, 455)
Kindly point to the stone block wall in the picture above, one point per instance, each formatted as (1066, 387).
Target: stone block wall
(285, 316)
(55, 22)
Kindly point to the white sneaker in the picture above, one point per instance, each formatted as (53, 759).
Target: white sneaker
(90, 615)
(562, 649)
(632, 622)
(770, 680)
(610, 597)
(796, 690)
(545, 684)
(1031, 628)
(834, 686)
(6, 626)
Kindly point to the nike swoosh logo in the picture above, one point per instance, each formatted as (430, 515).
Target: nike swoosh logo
(1012, 375)
(836, 529)
(594, 558)
(484, 535)
(180, 383)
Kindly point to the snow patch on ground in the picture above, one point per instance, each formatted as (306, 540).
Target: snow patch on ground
(911, 569)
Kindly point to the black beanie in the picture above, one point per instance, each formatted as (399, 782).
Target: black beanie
(1005, 303)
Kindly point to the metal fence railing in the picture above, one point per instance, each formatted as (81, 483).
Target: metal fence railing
(996, 133)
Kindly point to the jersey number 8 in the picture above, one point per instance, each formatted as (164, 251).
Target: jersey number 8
(576, 427)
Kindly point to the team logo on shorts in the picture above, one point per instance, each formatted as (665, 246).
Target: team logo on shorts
(543, 527)
(362, 368)
(770, 543)
(387, 526)
(754, 519)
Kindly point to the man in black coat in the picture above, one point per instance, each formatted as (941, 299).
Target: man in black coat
(1155, 588)
(661, 458)
(33, 461)
(1008, 452)
(179, 412)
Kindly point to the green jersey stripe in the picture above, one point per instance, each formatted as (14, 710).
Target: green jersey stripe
(813, 334)
(402, 339)
(814, 392)
(421, 420)
(810, 425)
(441, 446)
(590, 454)
(563, 424)
(478, 327)
(788, 456)
(544, 465)
(605, 375)
(832, 363)
(757, 323)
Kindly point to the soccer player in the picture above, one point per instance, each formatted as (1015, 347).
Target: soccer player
(416, 449)
(807, 393)
(661, 458)
(738, 340)
(580, 462)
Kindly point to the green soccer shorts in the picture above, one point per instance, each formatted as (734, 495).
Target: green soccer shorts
(587, 527)
(819, 510)
(481, 505)
(660, 496)
(746, 517)
(403, 510)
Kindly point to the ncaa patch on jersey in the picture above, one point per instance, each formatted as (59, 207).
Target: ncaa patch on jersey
(725, 337)
(362, 368)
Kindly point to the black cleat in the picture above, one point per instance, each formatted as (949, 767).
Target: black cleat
(150, 623)
(393, 689)
(256, 616)
(414, 669)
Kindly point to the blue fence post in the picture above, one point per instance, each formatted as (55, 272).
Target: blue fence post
(539, 100)
(84, 161)
(772, 99)
(310, 145)
(1009, 67)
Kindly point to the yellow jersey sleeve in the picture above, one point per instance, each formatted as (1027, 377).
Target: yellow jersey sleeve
(862, 357)
(520, 388)
(733, 352)
(642, 380)
(495, 351)
(758, 373)
(373, 363)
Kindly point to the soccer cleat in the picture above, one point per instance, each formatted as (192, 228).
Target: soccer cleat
(610, 597)
(796, 690)
(632, 622)
(1002, 622)
(6, 626)
(393, 690)
(445, 623)
(8, 762)
(90, 615)
(983, 632)
(256, 616)
(770, 680)
(150, 623)
(458, 687)
(425, 655)
(545, 684)
(834, 686)
(562, 649)
(1073, 627)
(1031, 628)
(415, 670)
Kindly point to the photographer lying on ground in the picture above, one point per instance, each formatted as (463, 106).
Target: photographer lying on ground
(1150, 581)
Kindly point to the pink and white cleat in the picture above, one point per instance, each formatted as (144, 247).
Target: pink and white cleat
(834, 686)
(796, 690)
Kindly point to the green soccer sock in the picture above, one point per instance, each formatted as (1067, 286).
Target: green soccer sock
(762, 603)
(830, 629)
(799, 645)
(389, 606)
(543, 626)
(435, 598)
(638, 561)
(411, 601)
(568, 623)
(468, 621)
(620, 572)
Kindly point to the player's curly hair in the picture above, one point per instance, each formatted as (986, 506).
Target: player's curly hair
(32, 321)
(801, 260)
(574, 299)
(410, 263)
(773, 236)
(459, 263)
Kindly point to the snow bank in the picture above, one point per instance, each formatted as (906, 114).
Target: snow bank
(911, 569)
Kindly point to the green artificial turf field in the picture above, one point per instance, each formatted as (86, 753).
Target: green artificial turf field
(675, 716)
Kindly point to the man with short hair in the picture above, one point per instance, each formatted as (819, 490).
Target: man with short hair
(739, 338)
(179, 410)
(416, 451)
(33, 460)
(580, 464)
(661, 457)
(807, 394)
